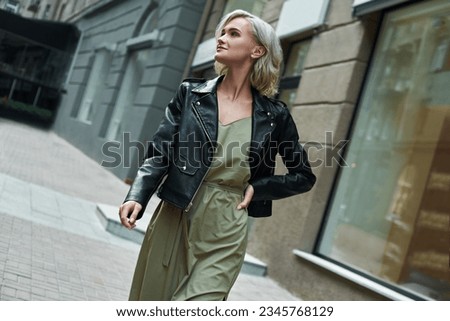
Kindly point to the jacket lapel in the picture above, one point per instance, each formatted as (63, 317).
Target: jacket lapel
(205, 107)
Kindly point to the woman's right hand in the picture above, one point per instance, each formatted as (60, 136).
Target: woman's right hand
(128, 213)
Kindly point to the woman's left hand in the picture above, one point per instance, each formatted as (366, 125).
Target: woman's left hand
(248, 195)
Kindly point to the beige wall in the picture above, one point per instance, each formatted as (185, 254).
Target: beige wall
(214, 17)
(272, 11)
(330, 85)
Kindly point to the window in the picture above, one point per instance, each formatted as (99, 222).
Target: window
(130, 85)
(31, 75)
(253, 6)
(61, 11)
(151, 23)
(299, 16)
(95, 84)
(33, 6)
(293, 70)
(12, 6)
(138, 54)
(46, 13)
(389, 217)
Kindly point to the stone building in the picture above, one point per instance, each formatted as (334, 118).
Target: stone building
(35, 57)
(59, 10)
(367, 83)
(130, 59)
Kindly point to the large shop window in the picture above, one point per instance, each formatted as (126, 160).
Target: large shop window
(389, 218)
(31, 77)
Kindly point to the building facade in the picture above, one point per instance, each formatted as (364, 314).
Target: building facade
(367, 84)
(131, 57)
(12, 6)
(373, 107)
(35, 56)
(56, 10)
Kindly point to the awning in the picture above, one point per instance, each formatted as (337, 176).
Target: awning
(362, 7)
(59, 35)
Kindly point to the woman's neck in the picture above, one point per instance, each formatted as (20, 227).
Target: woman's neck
(236, 86)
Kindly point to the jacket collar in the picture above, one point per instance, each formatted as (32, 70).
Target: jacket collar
(262, 120)
(210, 87)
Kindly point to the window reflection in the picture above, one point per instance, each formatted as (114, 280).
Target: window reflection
(33, 62)
(297, 58)
(390, 214)
(292, 72)
(253, 6)
(31, 76)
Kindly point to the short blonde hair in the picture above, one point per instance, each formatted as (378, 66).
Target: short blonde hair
(266, 70)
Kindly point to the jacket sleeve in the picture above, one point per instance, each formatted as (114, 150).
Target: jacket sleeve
(299, 178)
(155, 166)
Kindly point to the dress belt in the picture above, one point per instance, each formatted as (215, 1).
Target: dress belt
(234, 189)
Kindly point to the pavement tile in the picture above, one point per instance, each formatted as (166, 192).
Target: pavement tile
(52, 295)
(10, 276)
(52, 245)
(42, 201)
(23, 295)
(35, 297)
(8, 291)
(43, 284)
(15, 285)
(38, 291)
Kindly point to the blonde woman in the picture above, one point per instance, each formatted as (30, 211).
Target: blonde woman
(212, 163)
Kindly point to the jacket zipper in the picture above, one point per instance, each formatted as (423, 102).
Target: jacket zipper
(187, 209)
(206, 173)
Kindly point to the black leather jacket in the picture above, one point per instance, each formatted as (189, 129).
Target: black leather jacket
(181, 151)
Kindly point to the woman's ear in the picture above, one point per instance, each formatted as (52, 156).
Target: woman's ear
(258, 52)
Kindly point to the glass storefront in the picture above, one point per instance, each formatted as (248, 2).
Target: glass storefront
(390, 215)
(31, 75)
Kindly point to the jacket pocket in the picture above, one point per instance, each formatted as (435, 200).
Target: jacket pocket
(185, 166)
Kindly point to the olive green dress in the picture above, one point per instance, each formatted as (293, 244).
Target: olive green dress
(198, 255)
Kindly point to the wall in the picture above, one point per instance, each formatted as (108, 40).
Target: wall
(113, 25)
(62, 10)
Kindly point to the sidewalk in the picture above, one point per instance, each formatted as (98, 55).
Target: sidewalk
(53, 246)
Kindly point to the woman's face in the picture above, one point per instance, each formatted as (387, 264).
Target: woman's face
(236, 43)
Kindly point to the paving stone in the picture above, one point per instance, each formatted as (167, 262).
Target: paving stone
(8, 291)
(23, 295)
(8, 298)
(52, 245)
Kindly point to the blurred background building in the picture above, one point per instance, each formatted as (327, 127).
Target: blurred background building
(35, 57)
(367, 82)
(59, 10)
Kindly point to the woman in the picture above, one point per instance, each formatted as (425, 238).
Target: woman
(213, 160)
